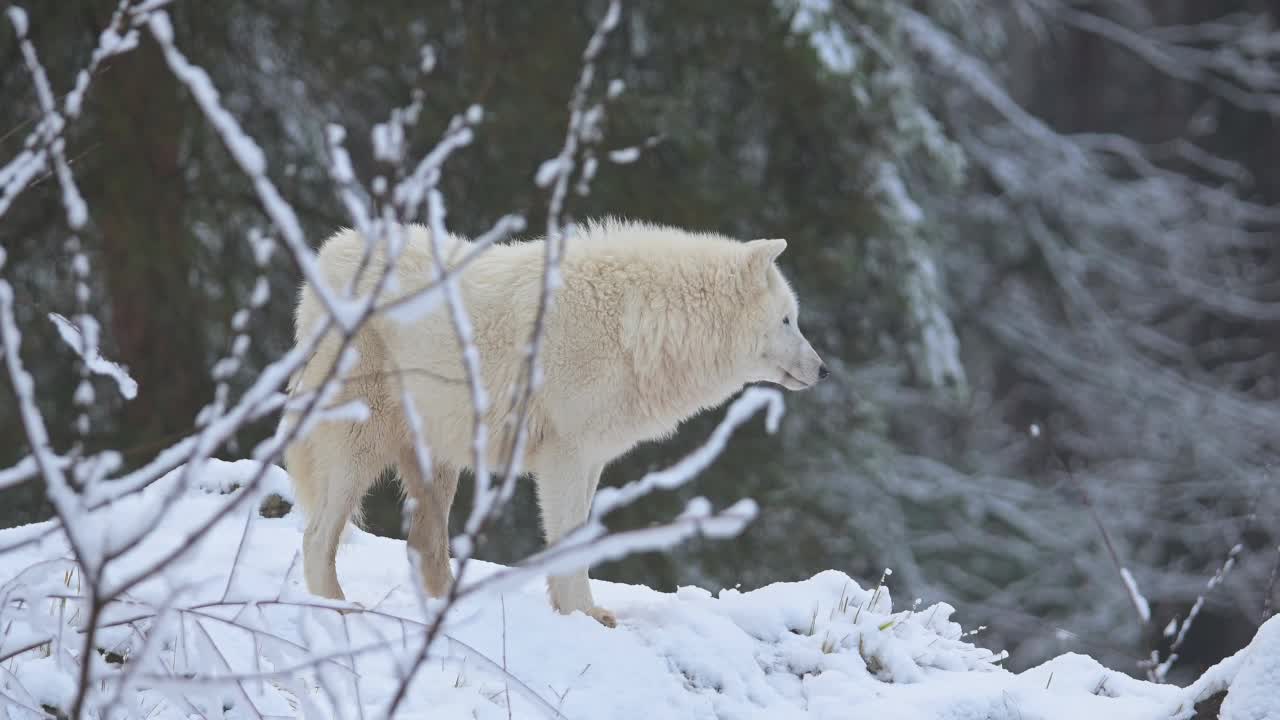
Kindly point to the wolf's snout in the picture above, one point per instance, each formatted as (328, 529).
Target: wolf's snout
(823, 372)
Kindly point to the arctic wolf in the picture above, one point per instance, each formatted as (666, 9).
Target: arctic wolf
(650, 326)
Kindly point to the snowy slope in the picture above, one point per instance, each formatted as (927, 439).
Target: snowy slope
(827, 647)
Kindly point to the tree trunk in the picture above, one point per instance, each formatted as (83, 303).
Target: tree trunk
(138, 196)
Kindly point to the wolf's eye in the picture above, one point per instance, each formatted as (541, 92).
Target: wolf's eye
(786, 320)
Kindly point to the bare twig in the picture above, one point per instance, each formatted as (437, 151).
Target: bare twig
(1159, 672)
(1139, 603)
(558, 171)
(484, 504)
(197, 625)
(1268, 596)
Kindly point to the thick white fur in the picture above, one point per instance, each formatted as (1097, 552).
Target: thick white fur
(650, 326)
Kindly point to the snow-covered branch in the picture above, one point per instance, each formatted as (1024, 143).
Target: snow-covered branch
(141, 621)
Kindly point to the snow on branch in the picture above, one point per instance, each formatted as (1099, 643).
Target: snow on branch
(15, 176)
(425, 180)
(252, 161)
(138, 610)
(593, 544)
(66, 502)
(1234, 57)
(51, 125)
(85, 346)
(739, 412)
(583, 126)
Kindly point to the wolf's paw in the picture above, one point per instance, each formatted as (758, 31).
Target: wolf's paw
(604, 617)
(438, 586)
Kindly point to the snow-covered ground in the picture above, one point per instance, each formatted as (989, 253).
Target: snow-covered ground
(251, 642)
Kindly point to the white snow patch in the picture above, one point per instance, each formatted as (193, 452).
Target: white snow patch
(1255, 692)
(820, 648)
(220, 477)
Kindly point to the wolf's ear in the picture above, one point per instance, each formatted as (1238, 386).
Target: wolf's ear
(762, 253)
(766, 250)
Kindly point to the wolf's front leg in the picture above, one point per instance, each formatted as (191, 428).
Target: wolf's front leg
(565, 494)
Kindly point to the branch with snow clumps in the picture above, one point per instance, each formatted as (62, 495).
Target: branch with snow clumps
(109, 563)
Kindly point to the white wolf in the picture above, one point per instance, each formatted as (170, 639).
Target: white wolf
(650, 325)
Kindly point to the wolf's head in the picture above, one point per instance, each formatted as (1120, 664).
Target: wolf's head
(774, 350)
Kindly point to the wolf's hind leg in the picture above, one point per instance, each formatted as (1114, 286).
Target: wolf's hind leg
(429, 524)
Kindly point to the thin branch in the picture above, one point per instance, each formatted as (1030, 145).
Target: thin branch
(484, 504)
(1269, 594)
(1140, 606)
(1160, 672)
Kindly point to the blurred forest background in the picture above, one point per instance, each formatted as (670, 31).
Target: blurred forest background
(1036, 241)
